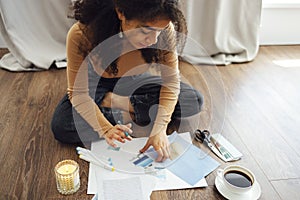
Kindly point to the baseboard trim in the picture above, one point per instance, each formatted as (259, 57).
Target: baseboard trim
(281, 6)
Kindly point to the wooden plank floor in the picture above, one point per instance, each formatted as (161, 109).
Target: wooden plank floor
(255, 105)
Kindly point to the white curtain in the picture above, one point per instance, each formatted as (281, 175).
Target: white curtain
(222, 31)
(34, 32)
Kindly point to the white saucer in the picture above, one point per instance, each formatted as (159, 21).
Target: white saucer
(253, 194)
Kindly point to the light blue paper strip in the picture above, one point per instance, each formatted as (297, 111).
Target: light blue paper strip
(193, 165)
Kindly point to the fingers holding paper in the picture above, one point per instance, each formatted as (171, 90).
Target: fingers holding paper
(160, 144)
(118, 132)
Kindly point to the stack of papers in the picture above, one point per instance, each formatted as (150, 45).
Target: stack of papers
(141, 174)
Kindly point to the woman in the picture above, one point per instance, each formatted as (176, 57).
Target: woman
(109, 51)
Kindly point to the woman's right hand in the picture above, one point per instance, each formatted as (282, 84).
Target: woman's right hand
(117, 132)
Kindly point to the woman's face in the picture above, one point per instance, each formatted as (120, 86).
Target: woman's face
(141, 35)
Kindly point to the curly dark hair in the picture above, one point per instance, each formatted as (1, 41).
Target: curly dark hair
(102, 21)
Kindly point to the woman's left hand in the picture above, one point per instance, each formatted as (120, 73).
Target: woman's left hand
(160, 144)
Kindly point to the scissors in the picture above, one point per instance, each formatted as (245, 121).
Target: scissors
(202, 136)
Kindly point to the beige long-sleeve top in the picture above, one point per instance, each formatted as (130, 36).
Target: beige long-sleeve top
(78, 90)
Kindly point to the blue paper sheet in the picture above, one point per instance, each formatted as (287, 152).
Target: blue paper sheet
(193, 165)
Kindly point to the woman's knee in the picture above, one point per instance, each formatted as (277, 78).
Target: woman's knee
(190, 102)
(59, 130)
(63, 126)
(197, 104)
(200, 99)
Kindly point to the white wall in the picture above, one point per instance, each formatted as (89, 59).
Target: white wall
(280, 22)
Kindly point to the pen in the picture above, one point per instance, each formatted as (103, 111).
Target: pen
(88, 153)
(104, 165)
(125, 132)
(221, 149)
(214, 142)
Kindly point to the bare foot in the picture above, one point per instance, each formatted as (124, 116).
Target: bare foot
(106, 102)
(112, 100)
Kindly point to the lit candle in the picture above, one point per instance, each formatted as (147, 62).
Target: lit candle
(67, 176)
(66, 169)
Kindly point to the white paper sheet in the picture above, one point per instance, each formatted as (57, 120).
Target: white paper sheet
(164, 179)
(133, 188)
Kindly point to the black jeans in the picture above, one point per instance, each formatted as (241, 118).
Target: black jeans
(143, 91)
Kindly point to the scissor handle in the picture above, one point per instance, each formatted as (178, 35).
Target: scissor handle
(201, 136)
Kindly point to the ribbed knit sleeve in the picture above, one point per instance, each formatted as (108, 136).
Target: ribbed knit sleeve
(77, 75)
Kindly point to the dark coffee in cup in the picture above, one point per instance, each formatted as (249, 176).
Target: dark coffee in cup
(238, 178)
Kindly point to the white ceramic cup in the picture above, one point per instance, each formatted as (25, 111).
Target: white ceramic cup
(233, 188)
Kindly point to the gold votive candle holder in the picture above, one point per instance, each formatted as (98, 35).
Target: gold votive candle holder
(67, 177)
